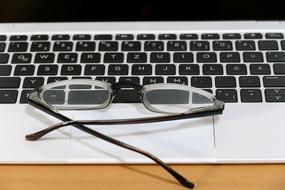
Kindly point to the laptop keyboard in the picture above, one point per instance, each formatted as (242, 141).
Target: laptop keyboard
(237, 67)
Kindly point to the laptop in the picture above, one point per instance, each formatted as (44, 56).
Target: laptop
(234, 49)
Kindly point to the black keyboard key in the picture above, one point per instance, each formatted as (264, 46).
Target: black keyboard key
(40, 46)
(127, 96)
(60, 37)
(153, 46)
(3, 37)
(124, 37)
(178, 80)
(44, 58)
(2, 47)
(10, 82)
(201, 82)
(71, 70)
(82, 37)
(24, 96)
(213, 69)
(4, 57)
(85, 46)
(78, 86)
(55, 96)
(110, 80)
(47, 70)
(275, 95)
(199, 46)
(189, 69)
(245, 45)
(260, 69)
(274, 81)
(267, 45)
(249, 81)
(252, 57)
(94, 69)
(90, 58)
(118, 69)
(252, 36)
(188, 36)
(142, 69)
(136, 57)
(33, 82)
(91, 97)
(67, 58)
(222, 45)
(18, 47)
(152, 80)
(275, 56)
(231, 36)
(39, 37)
(159, 57)
(113, 58)
(145, 36)
(236, 69)
(56, 79)
(18, 38)
(279, 69)
(282, 44)
(130, 79)
(210, 36)
(206, 57)
(165, 69)
(229, 57)
(108, 46)
(183, 57)
(5, 70)
(22, 58)
(274, 36)
(131, 46)
(227, 95)
(167, 36)
(225, 82)
(24, 70)
(8, 96)
(176, 46)
(103, 37)
(250, 95)
(62, 46)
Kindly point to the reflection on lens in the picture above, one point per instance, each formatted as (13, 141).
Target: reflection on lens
(77, 94)
(168, 96)
(87, 97)
(175, 100)
(54, 96)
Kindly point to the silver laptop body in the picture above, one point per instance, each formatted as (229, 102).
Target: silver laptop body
(247, 71)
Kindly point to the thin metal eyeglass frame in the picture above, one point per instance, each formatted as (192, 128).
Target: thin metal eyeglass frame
(35, 100)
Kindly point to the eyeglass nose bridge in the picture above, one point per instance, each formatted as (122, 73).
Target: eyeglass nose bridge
(126, 84)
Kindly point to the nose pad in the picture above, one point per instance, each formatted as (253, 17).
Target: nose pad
(126, 92)
(125, 84)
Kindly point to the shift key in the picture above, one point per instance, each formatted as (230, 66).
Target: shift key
(10, 82)
(8, 96)
(274, 81)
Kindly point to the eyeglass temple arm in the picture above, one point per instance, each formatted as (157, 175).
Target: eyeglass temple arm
(204, 113)
(182, 180)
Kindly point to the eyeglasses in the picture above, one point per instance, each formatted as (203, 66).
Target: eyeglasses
(176, 101)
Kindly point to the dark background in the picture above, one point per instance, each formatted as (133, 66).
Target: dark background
(139, 10)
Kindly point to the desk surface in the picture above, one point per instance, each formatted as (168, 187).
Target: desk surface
(140, 177)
